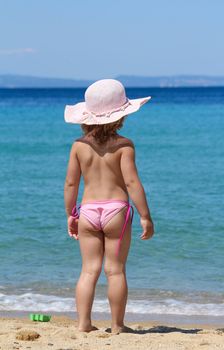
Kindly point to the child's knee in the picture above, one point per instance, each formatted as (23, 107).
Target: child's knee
(92, 270)
(112, 270)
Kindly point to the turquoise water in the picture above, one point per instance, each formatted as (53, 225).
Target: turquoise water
(179, 148)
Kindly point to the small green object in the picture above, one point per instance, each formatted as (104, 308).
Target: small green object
(40, 317)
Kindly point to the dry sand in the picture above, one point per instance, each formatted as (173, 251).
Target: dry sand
(61, 334)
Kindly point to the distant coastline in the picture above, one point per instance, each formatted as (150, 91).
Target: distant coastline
(13, 81)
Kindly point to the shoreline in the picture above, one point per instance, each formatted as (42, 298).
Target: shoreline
(169, 319)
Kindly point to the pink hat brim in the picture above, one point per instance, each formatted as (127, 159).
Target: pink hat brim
(78, 114)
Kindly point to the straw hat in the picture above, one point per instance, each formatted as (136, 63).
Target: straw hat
(105, 102)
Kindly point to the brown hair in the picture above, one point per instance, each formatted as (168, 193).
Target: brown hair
(103, 132)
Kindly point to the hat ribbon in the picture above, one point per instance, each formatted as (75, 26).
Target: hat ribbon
(107, 114)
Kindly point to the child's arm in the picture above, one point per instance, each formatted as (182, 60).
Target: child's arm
(71, 188)
(136, 190)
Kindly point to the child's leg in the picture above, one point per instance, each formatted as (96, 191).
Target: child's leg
(92, 250)
(115, 268)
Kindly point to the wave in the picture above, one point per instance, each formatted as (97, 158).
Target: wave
(52, 303)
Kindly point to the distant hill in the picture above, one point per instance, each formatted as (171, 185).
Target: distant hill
(171, 81)
(26, 81)
(23, 81)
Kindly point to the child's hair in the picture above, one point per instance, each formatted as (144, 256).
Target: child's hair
(103, 132)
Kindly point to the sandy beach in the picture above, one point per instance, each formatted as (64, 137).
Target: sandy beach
(61, 334)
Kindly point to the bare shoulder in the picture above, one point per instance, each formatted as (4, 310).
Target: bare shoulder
(76, 146)
(124, 141)
(127, 147)
(79, 142)
(82, 142)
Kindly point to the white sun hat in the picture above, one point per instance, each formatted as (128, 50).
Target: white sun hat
(105, 102)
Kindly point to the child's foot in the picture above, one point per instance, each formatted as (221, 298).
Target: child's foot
(87, 329)
(121, 329)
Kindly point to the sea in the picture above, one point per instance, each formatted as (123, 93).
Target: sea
(179, 141)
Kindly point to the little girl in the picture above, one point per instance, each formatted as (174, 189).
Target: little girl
(106, 161)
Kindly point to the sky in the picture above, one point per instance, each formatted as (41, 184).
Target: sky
(96, 39)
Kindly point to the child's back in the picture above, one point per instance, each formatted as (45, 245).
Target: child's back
(101, 167)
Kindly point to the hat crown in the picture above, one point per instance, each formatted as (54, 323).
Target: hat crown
(105, 95)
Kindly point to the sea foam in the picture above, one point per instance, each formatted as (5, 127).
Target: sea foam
(52, 303)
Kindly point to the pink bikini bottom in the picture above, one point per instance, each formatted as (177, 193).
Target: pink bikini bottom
(100, 212)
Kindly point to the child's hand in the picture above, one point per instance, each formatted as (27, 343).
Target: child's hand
(148, 228)
(73, 227)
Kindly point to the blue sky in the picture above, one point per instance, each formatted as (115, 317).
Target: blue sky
(95, 39)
